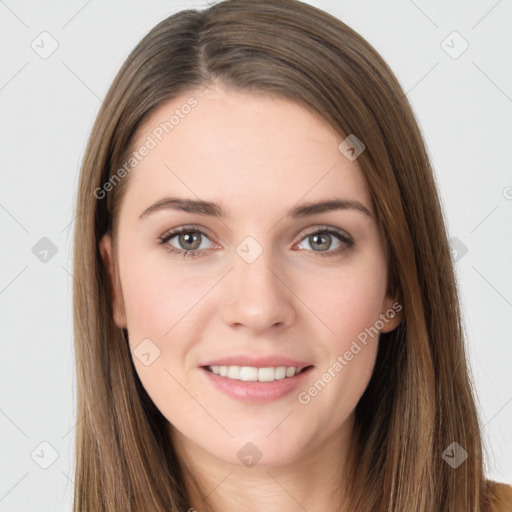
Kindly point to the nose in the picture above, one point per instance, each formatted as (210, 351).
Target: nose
(257, 296)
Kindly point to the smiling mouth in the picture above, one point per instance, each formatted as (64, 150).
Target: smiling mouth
(253, 374)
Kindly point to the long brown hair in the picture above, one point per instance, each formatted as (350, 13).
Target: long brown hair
(419, 399)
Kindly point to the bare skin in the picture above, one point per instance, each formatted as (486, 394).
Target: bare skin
(257, 157)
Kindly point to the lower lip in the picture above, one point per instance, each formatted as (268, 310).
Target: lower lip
(257, 392)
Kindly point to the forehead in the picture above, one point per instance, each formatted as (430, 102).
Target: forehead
(222, 145)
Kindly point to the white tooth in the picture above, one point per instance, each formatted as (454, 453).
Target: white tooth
(248, 374)
(252, 374)
(234, 372)
(290, 371)
(280, 372)
(266, 374)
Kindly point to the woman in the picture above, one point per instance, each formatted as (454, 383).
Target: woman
(266, 313)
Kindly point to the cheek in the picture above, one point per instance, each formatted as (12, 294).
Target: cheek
(172, 305)
(161, 306)
(350, 304)
(350, 300)
(158, 296)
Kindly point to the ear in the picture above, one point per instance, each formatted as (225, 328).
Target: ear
(391, 314)
(106, 252)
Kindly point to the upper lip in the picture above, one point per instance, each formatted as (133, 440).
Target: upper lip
(257, 362)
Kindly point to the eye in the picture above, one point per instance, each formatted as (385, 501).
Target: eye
(321, 241)
(189, 241)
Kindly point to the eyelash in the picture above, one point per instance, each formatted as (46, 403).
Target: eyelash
(347, 240)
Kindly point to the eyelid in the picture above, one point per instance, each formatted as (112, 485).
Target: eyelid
(171, 233)
(343, 237)
(326, 229)
(309, 231)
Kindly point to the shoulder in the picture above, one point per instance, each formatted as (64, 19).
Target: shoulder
(497, 497)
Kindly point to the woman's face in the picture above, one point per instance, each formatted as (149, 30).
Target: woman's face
(266, 282)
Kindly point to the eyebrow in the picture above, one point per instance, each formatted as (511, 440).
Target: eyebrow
(215, 210)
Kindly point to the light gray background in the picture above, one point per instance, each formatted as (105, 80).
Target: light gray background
(48, 106)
